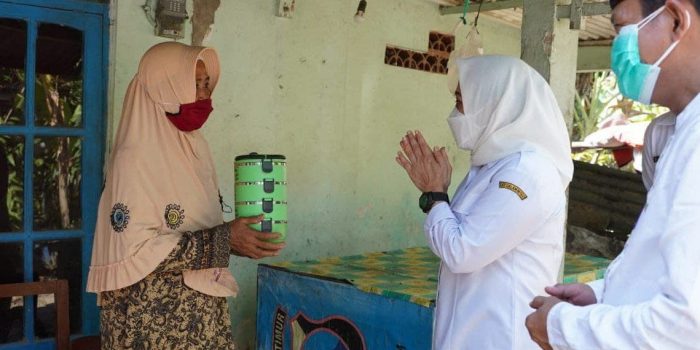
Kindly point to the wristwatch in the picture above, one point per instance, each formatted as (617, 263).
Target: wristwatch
(428, 199)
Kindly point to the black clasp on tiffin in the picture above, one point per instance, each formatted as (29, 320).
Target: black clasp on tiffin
(266, 225)
(267, 205)
(269, 185)
(267, 165)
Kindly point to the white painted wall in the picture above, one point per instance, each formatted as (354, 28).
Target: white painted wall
(315, 88)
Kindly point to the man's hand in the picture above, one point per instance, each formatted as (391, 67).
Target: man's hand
(430, 170)
(245, 241)
(536, 322)
(576, 293)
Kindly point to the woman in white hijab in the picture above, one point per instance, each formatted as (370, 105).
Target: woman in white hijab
(161, 248)
(500, 239)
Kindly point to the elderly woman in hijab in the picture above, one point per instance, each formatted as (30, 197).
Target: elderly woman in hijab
(500, 238)
(161, 248)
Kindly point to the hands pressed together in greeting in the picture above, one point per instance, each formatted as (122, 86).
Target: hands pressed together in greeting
(429, 169)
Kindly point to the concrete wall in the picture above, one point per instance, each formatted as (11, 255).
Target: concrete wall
(593, 58)
(315, 88)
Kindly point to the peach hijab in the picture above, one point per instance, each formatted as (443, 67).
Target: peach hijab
(160, 181)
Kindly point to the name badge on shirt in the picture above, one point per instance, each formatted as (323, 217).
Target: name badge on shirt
(515, 189)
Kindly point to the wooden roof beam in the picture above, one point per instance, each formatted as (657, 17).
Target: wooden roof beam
(485, 7)
(578, 9)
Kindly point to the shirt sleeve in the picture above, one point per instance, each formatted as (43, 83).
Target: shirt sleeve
(668, 320)
(597, 287)
(505, 214)
(199, 250)
(648, 165)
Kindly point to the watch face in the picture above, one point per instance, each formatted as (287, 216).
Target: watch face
(423, 201)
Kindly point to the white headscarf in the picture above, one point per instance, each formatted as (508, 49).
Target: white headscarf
(515, 110)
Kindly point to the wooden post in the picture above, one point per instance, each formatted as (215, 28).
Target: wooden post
(550, 46)
(62, 314)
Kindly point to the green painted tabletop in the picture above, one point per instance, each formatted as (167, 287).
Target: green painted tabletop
(411, 274)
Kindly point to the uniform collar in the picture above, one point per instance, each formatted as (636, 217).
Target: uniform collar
(690, 114)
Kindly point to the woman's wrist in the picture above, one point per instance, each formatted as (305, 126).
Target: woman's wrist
(438, 189)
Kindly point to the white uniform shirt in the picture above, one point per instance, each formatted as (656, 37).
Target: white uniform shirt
(656, 137)
(650, 298)
(500, 246)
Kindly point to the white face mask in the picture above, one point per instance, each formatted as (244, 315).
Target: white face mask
(466, 130)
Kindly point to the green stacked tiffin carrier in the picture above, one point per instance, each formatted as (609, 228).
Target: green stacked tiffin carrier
(261, 188)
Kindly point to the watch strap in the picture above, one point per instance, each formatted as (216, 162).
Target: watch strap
(430, 198)
(439, 197)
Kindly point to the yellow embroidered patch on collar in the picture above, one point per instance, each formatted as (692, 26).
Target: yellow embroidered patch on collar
(514, 188)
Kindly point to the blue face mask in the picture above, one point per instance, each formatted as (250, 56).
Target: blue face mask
(635, 78)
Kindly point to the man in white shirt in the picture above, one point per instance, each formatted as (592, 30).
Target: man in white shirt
(656, 137)
(650, 298)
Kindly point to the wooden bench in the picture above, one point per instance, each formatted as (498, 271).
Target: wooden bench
(59, 288)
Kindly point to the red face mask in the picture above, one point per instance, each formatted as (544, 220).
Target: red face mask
(192, 115)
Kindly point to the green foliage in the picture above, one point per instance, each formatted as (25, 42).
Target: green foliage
(591, 107)
(58, 103)
(14, 145)
(597, 100)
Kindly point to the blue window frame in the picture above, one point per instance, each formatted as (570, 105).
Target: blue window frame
(92, 21)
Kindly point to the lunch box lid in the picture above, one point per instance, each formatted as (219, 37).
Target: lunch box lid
(256, 156)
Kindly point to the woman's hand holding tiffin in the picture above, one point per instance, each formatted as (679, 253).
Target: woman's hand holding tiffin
(245, 241)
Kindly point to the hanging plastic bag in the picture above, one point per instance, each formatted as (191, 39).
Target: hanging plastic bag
(473, 46)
